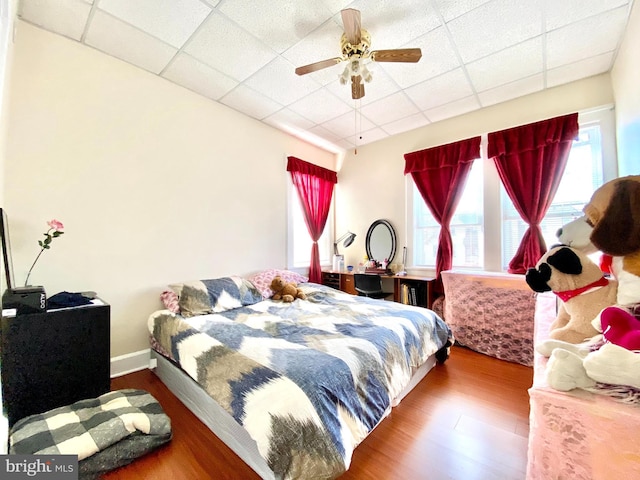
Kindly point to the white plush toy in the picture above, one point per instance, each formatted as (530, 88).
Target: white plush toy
(581, 366)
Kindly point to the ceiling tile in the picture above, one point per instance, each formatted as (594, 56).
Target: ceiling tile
(495, 26)
(345, 144)
(397, 24)
(394, 24)
(321, 44)
(288, 120)
(512, 90)
(582, 69)
(440, 90)
(223, 45)
(249, 101)
(194, 75)
(66, 17)
(370, 136)
(243, 54)
(453, 109)
(278, 23)
(438, 57)
(277, 80)
(586, 38)
(405, 124)
(569, 11)
(172, 21)
(123, 41)
(320, 106)
(324, 133)
(348, 124)
(389, 109)
(450, 10)
(507, 65)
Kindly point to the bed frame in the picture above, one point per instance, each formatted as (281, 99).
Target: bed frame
(222, 424)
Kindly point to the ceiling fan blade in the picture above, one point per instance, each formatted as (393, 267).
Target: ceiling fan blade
(357, 87)
(411, 55)
(313, 67)
(351, 22)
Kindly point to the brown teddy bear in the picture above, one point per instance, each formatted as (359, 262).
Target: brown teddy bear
(285, 291)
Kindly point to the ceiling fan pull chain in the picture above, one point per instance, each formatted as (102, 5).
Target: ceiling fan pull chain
(355, 126)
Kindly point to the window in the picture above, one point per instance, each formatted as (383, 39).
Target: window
(582, 175)
(299, 239)
(486, 229)
(466, 226)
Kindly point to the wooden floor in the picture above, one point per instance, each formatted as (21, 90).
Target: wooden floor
(468, 419)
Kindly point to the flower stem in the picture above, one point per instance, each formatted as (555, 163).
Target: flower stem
(26, 282)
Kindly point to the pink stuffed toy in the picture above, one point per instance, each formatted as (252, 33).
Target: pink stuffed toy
(620, 327)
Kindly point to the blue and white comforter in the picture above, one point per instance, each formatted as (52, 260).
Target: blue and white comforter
(310, 379)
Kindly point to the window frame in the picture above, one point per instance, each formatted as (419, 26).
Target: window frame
(325, 241)
(603, 116)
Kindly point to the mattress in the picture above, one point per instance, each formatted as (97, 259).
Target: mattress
(302, 384)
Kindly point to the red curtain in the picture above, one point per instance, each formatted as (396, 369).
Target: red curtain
(314, 185)
(440, 174)
(530, 160)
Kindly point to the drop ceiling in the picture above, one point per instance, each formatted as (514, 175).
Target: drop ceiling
(243, 53)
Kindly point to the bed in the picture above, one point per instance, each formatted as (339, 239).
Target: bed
(292, 388)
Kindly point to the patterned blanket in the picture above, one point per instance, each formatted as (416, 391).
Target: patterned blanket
(308, 380)
(105, 432)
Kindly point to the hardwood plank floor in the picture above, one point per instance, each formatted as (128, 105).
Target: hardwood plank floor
(468, 419)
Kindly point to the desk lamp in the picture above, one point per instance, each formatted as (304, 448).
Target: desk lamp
(348, 238)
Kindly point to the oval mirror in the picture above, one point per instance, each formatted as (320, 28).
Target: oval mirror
(381, 241)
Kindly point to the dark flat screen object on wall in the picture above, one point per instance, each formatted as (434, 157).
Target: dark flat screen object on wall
(7, 264)
(23, 299)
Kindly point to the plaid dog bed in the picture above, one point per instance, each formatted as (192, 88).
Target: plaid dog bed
(105, 432)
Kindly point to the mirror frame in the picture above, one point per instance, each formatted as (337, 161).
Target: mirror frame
(392, 232)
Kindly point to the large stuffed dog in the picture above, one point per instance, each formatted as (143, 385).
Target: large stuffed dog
(579, 284)
(611, 224)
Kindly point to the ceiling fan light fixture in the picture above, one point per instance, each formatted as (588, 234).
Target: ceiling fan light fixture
(344, 76)
(354, 44)
(366, 74)
(354, 65)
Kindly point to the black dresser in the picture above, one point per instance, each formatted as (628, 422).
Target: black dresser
(54, 358)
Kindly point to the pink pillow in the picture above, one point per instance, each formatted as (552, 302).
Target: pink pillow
(170, 299)
(262, 280)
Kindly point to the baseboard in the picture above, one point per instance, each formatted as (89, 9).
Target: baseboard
(130, 362)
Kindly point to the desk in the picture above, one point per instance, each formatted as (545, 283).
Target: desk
(403, 286)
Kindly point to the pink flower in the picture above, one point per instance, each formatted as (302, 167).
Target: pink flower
(55, 230)
(55, 225)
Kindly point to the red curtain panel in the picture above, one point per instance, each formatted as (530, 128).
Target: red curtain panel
(440, 174)
(314, 185)
(530, 160)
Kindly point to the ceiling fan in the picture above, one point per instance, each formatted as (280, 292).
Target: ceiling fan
(355, 43)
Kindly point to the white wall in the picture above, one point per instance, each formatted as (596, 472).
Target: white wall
(7, 13)
(154, 183)
(372, 183)
(625, 78)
